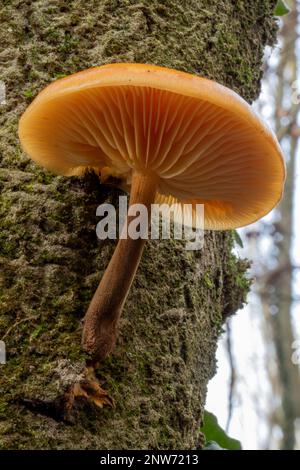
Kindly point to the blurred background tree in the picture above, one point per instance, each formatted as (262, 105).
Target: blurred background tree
(51, 260)
(272, 246)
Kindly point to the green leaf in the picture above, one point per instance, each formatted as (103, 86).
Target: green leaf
(281, 8)
(213, 432)
(237, 238)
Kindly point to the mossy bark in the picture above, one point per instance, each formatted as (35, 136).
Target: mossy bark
(51, 260)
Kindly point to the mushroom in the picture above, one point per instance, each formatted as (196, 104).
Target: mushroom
(171, 137)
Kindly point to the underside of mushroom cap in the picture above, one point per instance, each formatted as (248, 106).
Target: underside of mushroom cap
(203, 142)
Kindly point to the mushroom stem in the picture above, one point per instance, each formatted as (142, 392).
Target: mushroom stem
(102, 317)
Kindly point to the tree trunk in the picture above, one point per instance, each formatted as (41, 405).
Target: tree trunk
(51, 260)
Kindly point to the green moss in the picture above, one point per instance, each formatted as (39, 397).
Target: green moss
(207, 281)
(69, 44)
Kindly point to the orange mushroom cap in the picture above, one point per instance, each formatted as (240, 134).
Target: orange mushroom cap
(203, 143)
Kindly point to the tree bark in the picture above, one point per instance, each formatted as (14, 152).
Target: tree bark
(280, 294)
(51, 260)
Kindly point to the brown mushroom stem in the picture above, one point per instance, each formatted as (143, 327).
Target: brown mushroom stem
(102, 317)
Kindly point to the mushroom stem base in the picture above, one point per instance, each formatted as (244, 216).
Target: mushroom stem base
(102, 317)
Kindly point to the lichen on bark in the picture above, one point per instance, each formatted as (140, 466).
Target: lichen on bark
(51, 260)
